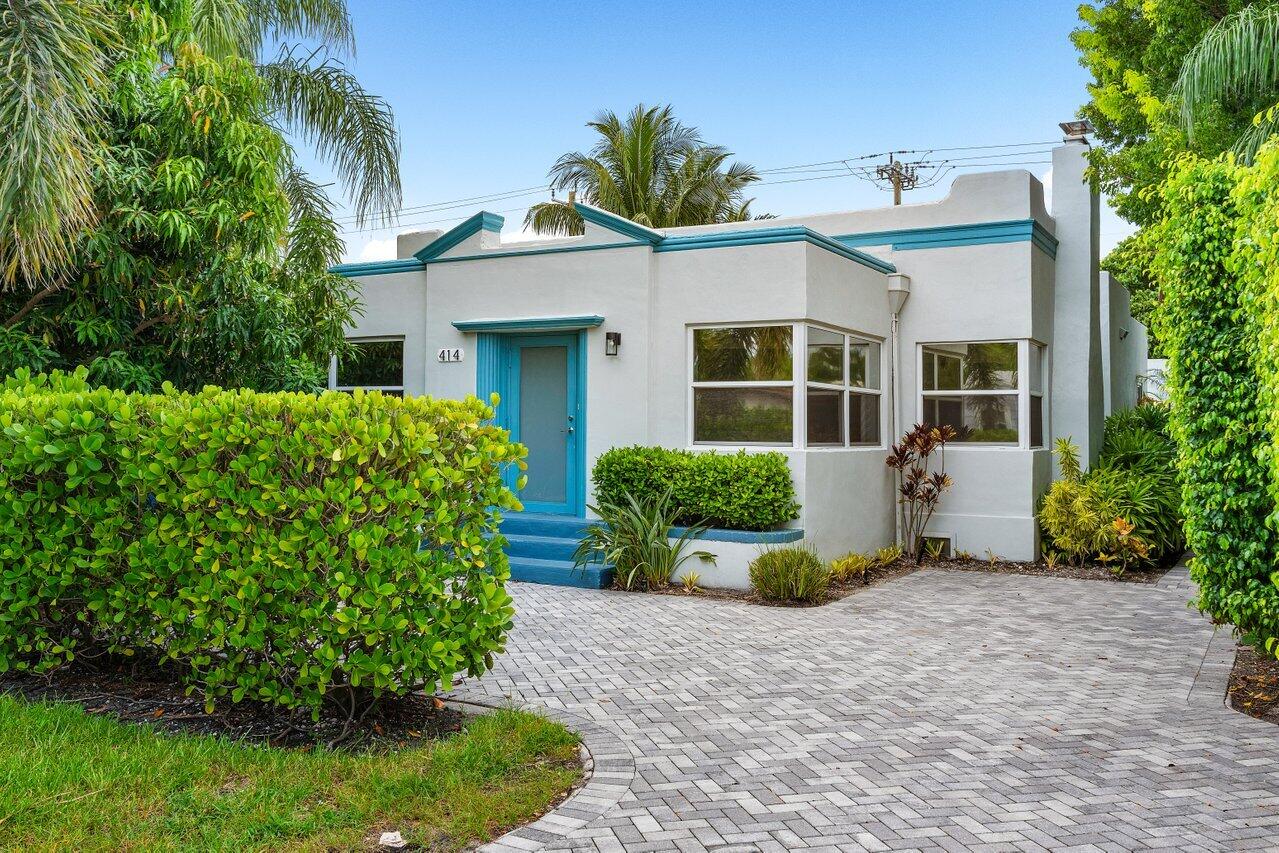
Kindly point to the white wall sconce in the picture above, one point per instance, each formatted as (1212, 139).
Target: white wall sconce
(612, 342)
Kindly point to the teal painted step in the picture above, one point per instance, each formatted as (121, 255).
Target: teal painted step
(537, 524)
(560, 573)
(540, 549)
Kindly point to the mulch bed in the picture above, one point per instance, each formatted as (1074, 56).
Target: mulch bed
(882, 574)
(144, 692)
(1090, 572)
(1254, 685)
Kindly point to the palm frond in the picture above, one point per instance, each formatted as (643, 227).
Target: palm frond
(554, 217)
(221, 28)
(1238, 56)
(240, 28)
(325, 21)
(349, 128)
(55, 66)
(313, 241)
(650, 168)
(1263, 127)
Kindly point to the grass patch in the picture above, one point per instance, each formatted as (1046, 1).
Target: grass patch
(75, 781)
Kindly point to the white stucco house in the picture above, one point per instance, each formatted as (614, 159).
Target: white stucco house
(985, 310)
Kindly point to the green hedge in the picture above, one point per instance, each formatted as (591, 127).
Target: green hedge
(1211, 327)
(736, 491)
(284, 547)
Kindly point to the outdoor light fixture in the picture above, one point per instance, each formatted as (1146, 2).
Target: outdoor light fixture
(612, 340)
(1076, 131)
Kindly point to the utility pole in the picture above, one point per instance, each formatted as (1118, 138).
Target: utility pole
(903, 176)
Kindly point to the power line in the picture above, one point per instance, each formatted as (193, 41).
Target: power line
(839, 168)
(526, 191)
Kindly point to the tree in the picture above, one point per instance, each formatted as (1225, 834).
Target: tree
(204, 257)
(1134, 50)
(651, 169)
(55, 93)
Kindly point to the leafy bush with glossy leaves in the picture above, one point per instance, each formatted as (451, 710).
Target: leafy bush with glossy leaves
(791, 574)
(289, 548)
(1212, 321)
(735, 491)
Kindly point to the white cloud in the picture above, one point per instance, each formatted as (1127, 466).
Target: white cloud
(370, 250)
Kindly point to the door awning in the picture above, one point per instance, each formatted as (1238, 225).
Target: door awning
(530, 324)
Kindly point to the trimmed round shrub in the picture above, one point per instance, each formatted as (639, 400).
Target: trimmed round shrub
(735, 491)
(792, 574)
(289, 548)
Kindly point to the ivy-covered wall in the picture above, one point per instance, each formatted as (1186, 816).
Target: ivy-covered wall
(1214, 277)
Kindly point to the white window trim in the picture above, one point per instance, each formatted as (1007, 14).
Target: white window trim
(693, 384)
(1022, 392)
(798, 384)
(372, 339)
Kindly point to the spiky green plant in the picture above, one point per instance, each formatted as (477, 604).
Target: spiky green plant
(635, 537)
(651, 169)
(791, 574)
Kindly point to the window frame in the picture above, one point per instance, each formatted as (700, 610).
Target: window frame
(693, 383)
(847, 389)
(1022, 392)
(371, 339)
(798, 385)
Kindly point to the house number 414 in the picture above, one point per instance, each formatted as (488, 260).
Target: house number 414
(449, 355)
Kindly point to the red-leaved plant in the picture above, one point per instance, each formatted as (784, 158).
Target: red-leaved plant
(919, 489)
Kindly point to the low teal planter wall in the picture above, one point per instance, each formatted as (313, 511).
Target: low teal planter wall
(753, 537)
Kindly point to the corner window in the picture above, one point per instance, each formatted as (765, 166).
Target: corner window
(979, 389)
(842, 389)
(1036, 383)
(748, 383)
(377, 364)
(742, 385)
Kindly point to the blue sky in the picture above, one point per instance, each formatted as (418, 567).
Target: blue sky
(487, 95)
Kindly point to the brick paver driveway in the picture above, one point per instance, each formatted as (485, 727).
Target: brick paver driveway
(942, 710)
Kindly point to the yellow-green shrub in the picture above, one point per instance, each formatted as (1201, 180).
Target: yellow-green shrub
(290, 548)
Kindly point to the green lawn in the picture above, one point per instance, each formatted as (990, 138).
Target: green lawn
(73, 781)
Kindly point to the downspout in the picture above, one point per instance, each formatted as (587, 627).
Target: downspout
(898, 293)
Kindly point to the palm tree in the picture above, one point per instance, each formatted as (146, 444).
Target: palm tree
(57, 81)
(651, 169)
(1238, 59)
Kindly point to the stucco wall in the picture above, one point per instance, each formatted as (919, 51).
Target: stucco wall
(611, 283)
(1125, 344)
(395, 306)
(1077, 385)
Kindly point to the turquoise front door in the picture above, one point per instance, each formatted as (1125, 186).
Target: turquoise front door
(542, 407)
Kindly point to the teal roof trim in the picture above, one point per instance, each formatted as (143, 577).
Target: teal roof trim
(530, 324)
(619, 224)
(377, 267)
(765, 236)
(550, 250)
(945, 236)
(482, 221)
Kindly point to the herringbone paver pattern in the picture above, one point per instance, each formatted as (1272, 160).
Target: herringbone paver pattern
(953, 711)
